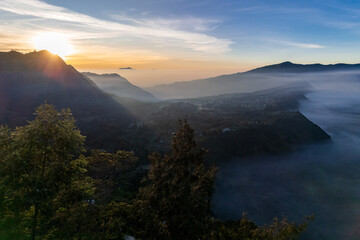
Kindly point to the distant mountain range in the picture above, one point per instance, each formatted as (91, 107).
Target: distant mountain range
(253, 80)
(120, 86)
(289, 67)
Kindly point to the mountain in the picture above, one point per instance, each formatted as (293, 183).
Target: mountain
(121, 87)
(289, 67)
(257, 79)
(28, 80)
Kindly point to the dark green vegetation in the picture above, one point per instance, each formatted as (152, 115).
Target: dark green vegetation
(50, 188)
(177, 197)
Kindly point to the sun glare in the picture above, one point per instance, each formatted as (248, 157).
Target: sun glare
(55, 43)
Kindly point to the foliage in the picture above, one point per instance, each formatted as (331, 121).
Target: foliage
(108, 214)
(50, 190)
(42, 172)
(176, 202)
(246, 229)
(108, 171)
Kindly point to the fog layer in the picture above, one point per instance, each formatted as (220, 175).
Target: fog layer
(322, 179)
(239, 83)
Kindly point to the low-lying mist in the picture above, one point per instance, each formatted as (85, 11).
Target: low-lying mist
(320, 179)
(243, 82)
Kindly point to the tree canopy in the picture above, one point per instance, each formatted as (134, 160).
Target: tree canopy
(175, 203)
(42, 171)
(51, 188)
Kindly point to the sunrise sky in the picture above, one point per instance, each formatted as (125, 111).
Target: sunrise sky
(177, 40)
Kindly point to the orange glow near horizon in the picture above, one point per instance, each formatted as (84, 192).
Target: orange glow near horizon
(55, 43)
(148, 70)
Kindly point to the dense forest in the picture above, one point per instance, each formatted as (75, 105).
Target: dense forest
(52, 188)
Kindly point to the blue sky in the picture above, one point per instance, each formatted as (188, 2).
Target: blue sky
(198, 38)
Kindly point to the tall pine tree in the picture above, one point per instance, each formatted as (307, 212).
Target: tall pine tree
(176, 202)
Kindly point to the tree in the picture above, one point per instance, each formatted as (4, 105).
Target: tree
(109, 173)
(175, 203)
(107, 217)
(42, 173)
(244, 228)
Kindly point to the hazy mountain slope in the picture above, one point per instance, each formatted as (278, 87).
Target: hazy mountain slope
(121, 87)
(28, 80)
(254, 80)
(289, 67)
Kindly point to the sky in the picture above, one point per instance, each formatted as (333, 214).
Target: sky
(179, 40)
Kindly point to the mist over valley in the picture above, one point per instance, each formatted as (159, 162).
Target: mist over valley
(320, 179)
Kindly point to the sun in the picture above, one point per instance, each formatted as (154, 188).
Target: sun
(55, 43)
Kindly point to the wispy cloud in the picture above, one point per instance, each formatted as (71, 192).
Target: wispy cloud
(298, 44)
(183, 23)
(274, 10)
(341, 24)
(155, 30)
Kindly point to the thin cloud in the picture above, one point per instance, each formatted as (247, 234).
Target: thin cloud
(274, 10)
(341, 24)
(299, 45)
(181, 38)
(183, 23)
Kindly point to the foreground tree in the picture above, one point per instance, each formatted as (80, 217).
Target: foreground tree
(109, 172)
(108, 215)
(176, 202)
(42, 174)
(49, 190)
(246, 229)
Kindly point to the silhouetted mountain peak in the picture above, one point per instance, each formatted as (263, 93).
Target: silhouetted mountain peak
(27, 80)
(289, 67)
(41, 53)
(36, 56)
(34, 60)
(287, 63)
(40, 67)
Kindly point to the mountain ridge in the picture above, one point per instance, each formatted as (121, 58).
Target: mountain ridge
(115, 84)
(346, 66)
(252, 80)
(289, 67)
(28, 80)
